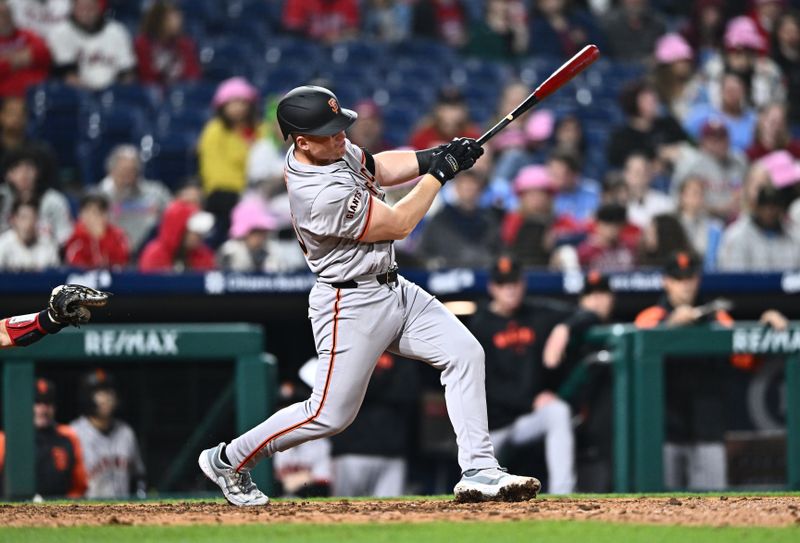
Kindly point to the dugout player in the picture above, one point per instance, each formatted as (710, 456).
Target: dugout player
(522, 406)
(360, 306)
(694, 452)
(59, 462)
(110, 450)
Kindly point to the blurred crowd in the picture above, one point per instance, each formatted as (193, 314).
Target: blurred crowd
(696, 152)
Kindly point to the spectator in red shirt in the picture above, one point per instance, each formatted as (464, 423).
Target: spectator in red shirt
(24, 57)
(95, 242)
(606, 250)
(179, 245)
(328, 21)
(165, 54)
(449, 119)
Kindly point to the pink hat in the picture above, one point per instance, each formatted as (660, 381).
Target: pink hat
(672, 48)
(533, 177)
(540, 125)
(249, 215)
(235, 88)
(783, 169)
(742, 33)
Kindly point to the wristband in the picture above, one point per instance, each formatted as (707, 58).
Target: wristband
(26, 329)
(424, 159)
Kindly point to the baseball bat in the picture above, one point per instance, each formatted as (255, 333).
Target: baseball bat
(557, 79)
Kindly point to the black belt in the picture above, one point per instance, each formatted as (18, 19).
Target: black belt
(389, 277)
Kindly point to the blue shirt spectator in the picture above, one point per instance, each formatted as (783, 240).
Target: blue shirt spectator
(578, 197)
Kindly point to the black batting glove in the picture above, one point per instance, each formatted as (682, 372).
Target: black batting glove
(459, 155)
(425, 156)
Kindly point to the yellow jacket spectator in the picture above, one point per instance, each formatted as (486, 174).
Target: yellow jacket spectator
(224, 146)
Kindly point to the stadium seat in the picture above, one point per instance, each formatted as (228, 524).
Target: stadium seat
(54, 116)
(194, 95)
(291, 50)
(136, 96)
(187, 120)
(364, 53)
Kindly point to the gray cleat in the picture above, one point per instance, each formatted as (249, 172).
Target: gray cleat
(495, 484)
(238, 488)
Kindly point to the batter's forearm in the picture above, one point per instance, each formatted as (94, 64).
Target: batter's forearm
(414, 205)
(395, 167)
(5, 340)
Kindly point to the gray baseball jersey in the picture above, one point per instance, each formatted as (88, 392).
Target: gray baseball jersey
(331, 208)
(110, 459)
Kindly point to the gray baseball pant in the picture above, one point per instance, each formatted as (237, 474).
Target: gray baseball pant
(554, 423)
(696, 466)
(352, 328)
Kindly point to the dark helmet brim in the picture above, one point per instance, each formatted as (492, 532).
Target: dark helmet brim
(342, 121)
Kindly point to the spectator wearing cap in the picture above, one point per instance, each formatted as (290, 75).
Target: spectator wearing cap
(224, 147)
(694, 452)
(644, 202)
(96, 242)
(605, 249)
(179, 245)
(368, 133)
(723, 168)
(522, 406)
(761, 240)
(449, 119)
(247, 251)
(165, 53)
(530, 233)
(734, 111)
(135, 203)
(326, 21)
(772, 133)
(23, 247)
(560, 29)
(786, 54)
(674, 77)
(577, 197)
(91, 50)
(703, 230)
(461, 234)
(24, 181)
(60, 471)
(632, 30)
(24, 57)
(502, 33)
(587, 387)
(645, 128)
(745, 54)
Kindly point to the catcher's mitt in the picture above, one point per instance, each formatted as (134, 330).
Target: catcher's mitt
(69, 304)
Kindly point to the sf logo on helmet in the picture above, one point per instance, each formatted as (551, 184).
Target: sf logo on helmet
(334, 105)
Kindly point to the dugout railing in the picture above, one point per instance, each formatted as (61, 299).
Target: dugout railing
(638, 381)
(253, 390)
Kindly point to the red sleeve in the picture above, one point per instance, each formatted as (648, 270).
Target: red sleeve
(154, 259)
(202, 259)
(39, 50)
(294, 15)
(5, 69)
(191, 63)
(147, 73)
(76, 254)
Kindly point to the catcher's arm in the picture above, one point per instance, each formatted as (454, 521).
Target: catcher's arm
(69, 305)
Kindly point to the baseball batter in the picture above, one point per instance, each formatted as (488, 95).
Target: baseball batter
(360, 306)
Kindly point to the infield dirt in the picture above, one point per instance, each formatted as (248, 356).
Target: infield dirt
(690, 511)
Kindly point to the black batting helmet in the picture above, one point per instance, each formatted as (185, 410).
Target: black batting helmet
(314, 111)
(91, 382)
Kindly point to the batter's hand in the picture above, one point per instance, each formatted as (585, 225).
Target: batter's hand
(69, 304)
(459, 155)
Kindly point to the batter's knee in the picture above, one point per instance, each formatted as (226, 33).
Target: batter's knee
(469, 351)
(335, 422)
(558, 412)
